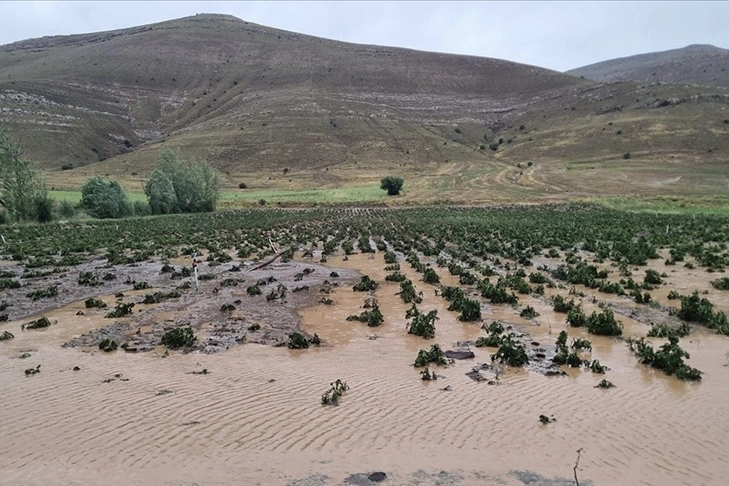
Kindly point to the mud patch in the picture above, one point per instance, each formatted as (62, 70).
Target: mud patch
(221, 314)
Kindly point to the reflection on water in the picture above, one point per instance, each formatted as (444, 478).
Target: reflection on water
(256, 417)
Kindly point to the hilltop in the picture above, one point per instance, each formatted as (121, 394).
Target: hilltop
(281, 110)
(695, 64)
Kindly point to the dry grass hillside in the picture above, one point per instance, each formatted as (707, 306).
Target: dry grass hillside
(281, 111)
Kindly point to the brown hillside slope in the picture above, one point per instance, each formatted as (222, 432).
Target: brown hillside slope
(695, 64)
(280, 110)
(75, 98)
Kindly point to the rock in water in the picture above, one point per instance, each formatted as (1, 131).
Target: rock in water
(377, 477)
(459, 354)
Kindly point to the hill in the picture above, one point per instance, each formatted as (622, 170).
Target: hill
(281, 110)
(695, 64)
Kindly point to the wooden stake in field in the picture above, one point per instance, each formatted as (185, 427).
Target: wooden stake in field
(276, 253)
(194, 271)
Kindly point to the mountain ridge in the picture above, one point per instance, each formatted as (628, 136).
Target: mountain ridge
(283, 110)
(701, 64)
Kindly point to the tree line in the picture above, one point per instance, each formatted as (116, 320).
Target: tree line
(176, 185)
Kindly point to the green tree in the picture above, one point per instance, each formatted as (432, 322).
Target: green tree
(105, 199)
(392, 185)
(23, 192)
(179, 185)
(160, 193)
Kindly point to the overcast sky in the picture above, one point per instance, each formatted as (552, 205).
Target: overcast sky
(557, 35)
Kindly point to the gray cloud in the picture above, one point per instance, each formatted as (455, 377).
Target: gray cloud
(557, 35)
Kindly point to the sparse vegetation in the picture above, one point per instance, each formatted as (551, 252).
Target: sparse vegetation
(604, 324)
(393, 185)
(421, 324)
(108, 345)
(365, 284)
(335, 392)
(121, 310)
(179, 337)
(433, 355)
(297, 341)
(39, 323)
(668, 358)
(511, 353)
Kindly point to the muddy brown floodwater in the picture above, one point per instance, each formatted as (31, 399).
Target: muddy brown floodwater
(256, 416)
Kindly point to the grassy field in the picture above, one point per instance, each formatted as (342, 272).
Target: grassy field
(708, 205)
(230, 199)
(716, 205)
(74, 197)
(366, 194)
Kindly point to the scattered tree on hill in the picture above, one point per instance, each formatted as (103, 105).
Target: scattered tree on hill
(23, 192)
(392, 185)
(182, 186)
(105, 199)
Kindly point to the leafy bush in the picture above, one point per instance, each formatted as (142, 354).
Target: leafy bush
(604, 384)
(390, 257)
(430, 277)
(141, 208)
(66, 210)
(426, 375)
(697, 309)
(335, 392)
(529, 312)
(105, 199)
(297, 341)
(23, 192)
(393, 185)
(596, 367)
(408, 294)
(581, 343)
(560, 304)
(48, 292)
(365, 284)
(422, 324)
(721, 284)
(121, 310)
(107, 345)
(180, 186)
(158, 297)
(492, 340)
(575, 317)
(254, 290)
(94, 303)
(494, 328)
(434, 355)
(39, 323)
(663, 330)
(573, 360)
(668, 358)
(6, 283)
(652, 277)
(604, 324)
(470, 310)
(372, 317)
(511, 353)
(179, 337)
(396, 277)
(89, 279)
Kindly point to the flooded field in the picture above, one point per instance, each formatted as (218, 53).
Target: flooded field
(241, 411)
